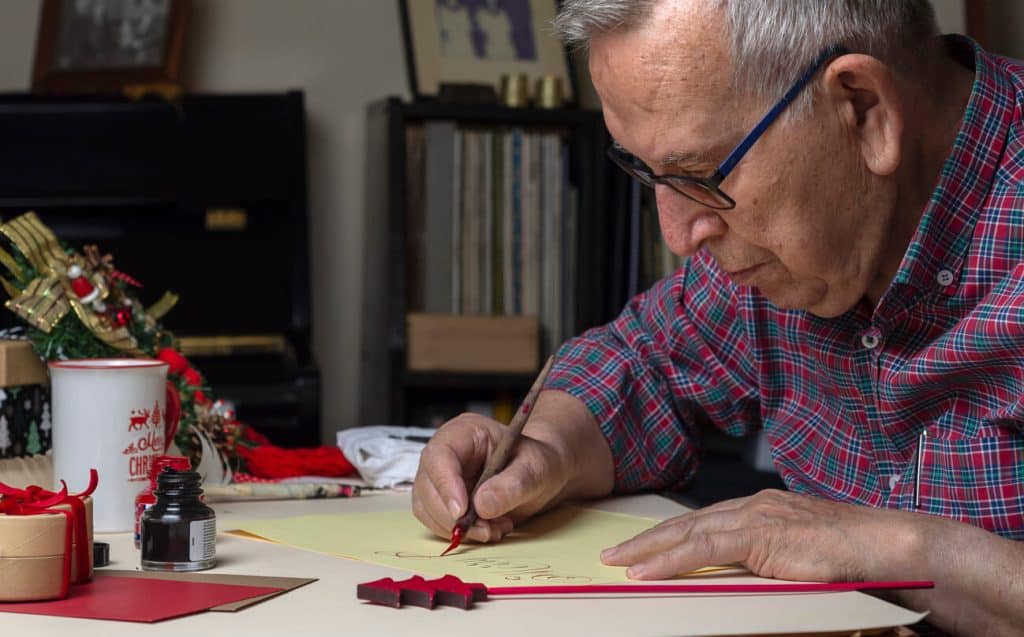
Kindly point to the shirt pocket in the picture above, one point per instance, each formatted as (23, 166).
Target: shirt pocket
(979, 481)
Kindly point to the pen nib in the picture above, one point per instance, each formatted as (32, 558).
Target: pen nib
(456, 540)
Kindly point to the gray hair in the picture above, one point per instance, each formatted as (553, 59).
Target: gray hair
(774, 40)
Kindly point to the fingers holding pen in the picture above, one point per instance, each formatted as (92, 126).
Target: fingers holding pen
(529, 483)
(451, 461)
(453, 456)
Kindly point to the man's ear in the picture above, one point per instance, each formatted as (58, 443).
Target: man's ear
(863, 91)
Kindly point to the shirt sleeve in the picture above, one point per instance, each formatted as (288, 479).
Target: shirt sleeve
(675, 356)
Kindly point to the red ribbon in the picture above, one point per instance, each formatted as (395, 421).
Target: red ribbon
(35, 500)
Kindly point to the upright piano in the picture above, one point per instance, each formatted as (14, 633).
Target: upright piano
(204, 196)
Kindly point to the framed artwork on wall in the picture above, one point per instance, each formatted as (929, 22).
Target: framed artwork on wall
(479, 41)
(87, 46)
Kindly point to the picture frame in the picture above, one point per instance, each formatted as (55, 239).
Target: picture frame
(102, 46)
(479, 41)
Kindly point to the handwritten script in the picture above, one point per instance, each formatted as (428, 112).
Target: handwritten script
(513, 569)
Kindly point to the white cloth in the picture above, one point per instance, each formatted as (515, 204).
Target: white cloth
(383, 454)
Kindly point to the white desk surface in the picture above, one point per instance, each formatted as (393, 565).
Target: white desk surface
(329, 606)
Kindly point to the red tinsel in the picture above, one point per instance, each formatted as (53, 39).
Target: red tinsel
(252, 438)
(192, 377)
(176, 363)
(270, 461)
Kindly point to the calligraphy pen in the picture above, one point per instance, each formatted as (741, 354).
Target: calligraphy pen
(501, 455)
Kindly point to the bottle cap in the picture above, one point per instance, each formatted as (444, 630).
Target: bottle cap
(172, 481)
(100, 554)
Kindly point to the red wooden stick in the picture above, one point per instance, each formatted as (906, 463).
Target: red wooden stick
(451, 591)
(813, 587)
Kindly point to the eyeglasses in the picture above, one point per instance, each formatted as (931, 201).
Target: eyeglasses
(705, 190)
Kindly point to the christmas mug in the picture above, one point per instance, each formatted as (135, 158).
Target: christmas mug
(111, 415)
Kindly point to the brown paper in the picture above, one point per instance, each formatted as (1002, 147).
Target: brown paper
(284, 583)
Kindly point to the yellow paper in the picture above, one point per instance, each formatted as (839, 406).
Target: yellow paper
(560, 547)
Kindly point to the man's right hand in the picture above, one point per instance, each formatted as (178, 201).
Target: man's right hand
(454, 459)
(547, 466)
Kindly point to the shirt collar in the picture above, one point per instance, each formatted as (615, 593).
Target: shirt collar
(936, 253)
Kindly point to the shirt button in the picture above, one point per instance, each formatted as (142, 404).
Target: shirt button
(893, 481)
(945, 277)
(869, 340)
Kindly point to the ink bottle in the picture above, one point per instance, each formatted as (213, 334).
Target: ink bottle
(179, 532)
(146, 499)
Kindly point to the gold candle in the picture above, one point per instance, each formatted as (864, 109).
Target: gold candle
(515, 90)
(549, 92)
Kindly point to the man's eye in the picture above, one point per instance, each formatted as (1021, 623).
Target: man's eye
(692, 172)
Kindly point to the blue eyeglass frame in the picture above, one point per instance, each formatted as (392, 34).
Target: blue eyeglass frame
(721, 201)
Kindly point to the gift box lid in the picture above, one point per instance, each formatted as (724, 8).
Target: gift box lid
(40, 535)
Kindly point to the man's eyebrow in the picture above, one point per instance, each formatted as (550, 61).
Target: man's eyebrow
(675, 157)
(685, 157)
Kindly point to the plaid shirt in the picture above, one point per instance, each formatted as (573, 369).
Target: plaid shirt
(844, 401)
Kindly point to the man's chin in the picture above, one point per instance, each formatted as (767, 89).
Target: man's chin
(812, 302)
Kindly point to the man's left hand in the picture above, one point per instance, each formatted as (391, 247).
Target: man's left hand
(775, 534)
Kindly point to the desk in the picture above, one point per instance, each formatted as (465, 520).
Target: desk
(329, 606)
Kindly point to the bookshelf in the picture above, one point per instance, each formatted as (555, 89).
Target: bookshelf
(575, 258)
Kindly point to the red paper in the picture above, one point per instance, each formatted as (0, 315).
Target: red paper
(138, 600)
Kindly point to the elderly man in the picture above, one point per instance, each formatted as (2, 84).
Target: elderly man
(847, 187)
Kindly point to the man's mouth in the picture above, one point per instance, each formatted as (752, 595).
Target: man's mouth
(746, 275)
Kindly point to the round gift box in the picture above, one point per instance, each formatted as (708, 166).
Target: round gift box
(32, 554)
(32, 557)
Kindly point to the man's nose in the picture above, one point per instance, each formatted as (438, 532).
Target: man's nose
(686, 224)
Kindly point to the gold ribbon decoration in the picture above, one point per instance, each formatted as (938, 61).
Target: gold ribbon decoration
(45, 300)
(162, 306)
(43, 303)
(37, 243)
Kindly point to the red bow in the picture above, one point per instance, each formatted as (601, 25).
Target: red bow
(35, 500)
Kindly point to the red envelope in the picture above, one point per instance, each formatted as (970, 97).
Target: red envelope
(138, 600)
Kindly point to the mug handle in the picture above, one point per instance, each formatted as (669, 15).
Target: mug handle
(172, 403)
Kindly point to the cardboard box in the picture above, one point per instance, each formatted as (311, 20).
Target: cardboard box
(21, 472)
(473, 343)
(19, 365)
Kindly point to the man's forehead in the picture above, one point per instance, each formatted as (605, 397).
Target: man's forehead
(666, 79)
(667, 56)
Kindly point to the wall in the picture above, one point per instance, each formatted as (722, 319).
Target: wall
(950, 14)
(1004, 25)
(342, 54)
